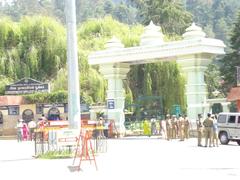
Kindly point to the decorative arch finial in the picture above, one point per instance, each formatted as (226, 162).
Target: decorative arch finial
(114, 43)
(194, 31)
(152, 35)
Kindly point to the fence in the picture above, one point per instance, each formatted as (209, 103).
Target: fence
(47, 141)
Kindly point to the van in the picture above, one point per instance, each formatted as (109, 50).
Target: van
(229, 127)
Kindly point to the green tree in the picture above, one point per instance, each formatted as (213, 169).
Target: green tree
(3, 82)
(21, 8)
(213, 80)
(108, 7)
(170, 15)
(43, 48)
(231, 60)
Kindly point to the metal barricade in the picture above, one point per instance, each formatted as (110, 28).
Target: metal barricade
(100, 144)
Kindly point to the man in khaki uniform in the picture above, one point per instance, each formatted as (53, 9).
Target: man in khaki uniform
(208, 124)
(181, 127)
(199, 129)
(186, 127)
(174, 126)
(169, 127)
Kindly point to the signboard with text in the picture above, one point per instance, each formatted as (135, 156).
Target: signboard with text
(67, 137)
(110, 104)
(26, 86)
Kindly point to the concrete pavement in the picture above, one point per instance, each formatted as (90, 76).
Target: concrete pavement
(127, 158)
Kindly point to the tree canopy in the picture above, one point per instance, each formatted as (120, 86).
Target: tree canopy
(232, 58)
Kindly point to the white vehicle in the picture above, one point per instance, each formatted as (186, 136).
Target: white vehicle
(229, 127)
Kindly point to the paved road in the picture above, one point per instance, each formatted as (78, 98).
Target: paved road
(127, 158)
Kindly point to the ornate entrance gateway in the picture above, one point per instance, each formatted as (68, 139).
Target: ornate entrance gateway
(193, 53)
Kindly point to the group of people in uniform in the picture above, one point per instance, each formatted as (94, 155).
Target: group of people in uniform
(207, 128)
(174, 127)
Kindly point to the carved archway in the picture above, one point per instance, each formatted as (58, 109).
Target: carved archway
(53, 113)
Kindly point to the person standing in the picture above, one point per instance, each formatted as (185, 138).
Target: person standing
(174, 127)
(169, 127)
(19, 130)
(186, 127)
(101, 127)
(146, 128)
(153, 126)
(215, 131)
(181, 127)
(208, 125)
(163, 128)
(199, 123)
(25, 132)
(31, 126)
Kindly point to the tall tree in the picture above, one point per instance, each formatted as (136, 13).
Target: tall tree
(169, 14)
(232, 59)
(21, 8)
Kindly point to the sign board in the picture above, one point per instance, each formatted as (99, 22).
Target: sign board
(59, 123)
(110, 104)
(26, 86)
(67, 137)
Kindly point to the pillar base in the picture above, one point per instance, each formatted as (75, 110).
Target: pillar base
(117, 115)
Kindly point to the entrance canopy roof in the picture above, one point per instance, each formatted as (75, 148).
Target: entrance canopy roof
(153, 49)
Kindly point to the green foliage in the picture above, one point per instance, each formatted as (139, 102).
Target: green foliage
(55, 97)
(56, 155)
(231, 60)
(60, 82)
(3, 82)
(166, 82)
(35, 47)
(39, 52)
(213, 80)
(46, 43)
(217, 16)
(170, 15)
(93, 35)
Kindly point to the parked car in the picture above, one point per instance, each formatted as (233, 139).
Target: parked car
(229, 127)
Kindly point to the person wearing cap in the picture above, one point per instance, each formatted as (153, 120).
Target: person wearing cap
(199, 123)
(208, 127)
